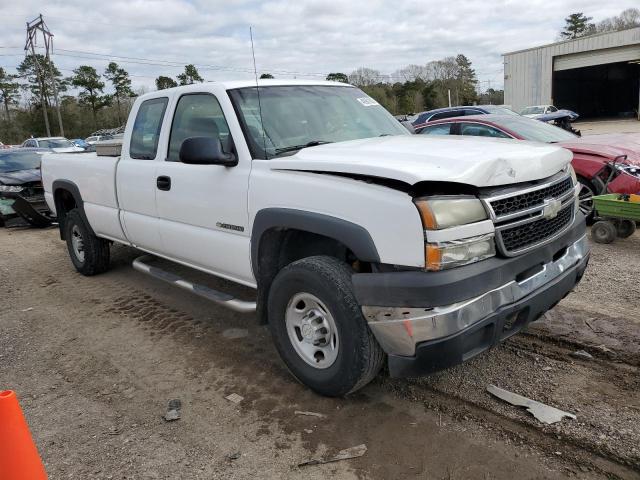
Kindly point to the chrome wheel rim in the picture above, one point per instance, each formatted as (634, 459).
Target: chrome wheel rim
(77, 243)
(585, 200)
(312, 330)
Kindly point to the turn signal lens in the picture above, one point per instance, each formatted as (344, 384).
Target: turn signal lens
(456, 253)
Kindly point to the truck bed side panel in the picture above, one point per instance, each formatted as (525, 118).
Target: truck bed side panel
(95, 178)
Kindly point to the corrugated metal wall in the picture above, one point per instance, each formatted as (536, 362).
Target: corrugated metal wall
(528, 73)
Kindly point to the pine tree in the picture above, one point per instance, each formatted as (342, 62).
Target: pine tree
(577, 25)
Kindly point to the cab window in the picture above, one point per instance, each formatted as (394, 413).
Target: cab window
(146, 129)
(197, 115)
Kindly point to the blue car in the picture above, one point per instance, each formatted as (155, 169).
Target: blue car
(449, 112)
(79, 142)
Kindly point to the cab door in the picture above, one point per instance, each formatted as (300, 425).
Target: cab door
(136, 175)
(202, 209)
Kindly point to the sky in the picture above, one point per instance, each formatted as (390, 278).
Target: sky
(298, 38)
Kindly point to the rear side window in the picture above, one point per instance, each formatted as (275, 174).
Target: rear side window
(440, 129)
(479, 130)
(197, 115)
(146, 129)
(450, 114)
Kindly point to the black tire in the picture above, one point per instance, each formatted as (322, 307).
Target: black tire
(587, 191)
(603, 231)
(95, 251)
(359, 356)
(625, 228)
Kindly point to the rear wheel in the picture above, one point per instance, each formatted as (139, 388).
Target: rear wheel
(625, 228)
(319, 329)
(89, 254)
(603, 231)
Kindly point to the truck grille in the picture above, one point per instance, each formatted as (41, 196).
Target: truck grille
(522, 236)
(524, 201)
(533, 216)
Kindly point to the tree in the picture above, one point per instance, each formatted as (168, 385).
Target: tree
(86, 78)
(162, 82)
(577, 25)
(8, 90)
(338, 77)
(364, 77)
(629, 18)
(190, 75)
(467, 81)
(28, 69)
(121, 83)
(266, 76)
(491, 97)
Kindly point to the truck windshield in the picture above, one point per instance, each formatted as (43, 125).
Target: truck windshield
(301, 116)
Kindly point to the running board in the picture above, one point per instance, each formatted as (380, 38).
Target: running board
(215, 296)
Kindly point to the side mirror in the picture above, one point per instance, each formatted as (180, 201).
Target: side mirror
(205, 151)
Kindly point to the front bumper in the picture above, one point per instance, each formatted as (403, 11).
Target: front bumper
(33, 210)
(422, 340)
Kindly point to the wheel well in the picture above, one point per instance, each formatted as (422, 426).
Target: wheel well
(280, 247)
(65, 202)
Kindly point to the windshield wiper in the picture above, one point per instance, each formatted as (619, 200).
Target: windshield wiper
(292, 148)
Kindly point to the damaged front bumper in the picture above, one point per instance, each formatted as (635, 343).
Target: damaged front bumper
(33, 210)
(421, 340)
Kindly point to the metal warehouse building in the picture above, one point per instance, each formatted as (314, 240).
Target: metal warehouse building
(596, 76)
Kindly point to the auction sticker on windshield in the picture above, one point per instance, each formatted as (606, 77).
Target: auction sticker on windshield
(367, 101)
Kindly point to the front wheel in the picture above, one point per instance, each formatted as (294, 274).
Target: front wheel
(319, 329)
(585, 199)
(89, 254)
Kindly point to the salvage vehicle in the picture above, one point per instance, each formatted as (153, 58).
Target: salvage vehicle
(449, 112)
(549, 114)
(21, 192)
(594, 157)
(362, 241)
(55, 144)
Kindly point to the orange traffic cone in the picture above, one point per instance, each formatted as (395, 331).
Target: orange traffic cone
(19, 459)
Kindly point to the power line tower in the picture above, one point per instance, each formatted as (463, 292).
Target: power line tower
(33, 28)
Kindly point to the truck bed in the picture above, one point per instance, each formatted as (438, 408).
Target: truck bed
(95, 177)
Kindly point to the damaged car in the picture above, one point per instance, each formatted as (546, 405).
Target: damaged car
(21, 193)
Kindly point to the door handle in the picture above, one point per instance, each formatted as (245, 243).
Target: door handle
(163, 183)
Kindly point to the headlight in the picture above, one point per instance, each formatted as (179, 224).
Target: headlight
(572, 172)
(444, 212)
(459, 252)
(10, 188)
(447, 214)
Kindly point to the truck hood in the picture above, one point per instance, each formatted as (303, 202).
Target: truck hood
(20, 177)
(480, 162)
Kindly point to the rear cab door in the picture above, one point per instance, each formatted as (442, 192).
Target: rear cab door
(136, 171)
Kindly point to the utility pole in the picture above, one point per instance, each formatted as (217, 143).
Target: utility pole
(33, 27)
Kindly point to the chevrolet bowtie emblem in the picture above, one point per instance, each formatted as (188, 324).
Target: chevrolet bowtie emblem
(551, 208)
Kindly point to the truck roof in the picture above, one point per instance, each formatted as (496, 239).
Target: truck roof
(233, 84)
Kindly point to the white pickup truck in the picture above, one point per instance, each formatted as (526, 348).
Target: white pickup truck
(363, 242)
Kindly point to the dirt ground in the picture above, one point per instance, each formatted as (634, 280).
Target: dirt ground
(608, 126)
(95, 361)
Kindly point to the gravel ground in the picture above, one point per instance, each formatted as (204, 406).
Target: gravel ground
(95, 361)
(608, 126)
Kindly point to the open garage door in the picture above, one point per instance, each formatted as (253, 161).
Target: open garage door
(593, 58)
(610, 90)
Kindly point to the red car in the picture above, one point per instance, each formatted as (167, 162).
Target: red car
(593, 156)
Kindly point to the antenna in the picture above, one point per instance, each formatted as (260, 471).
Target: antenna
(255, 72)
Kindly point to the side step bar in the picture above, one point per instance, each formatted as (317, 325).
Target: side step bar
(215, 296)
